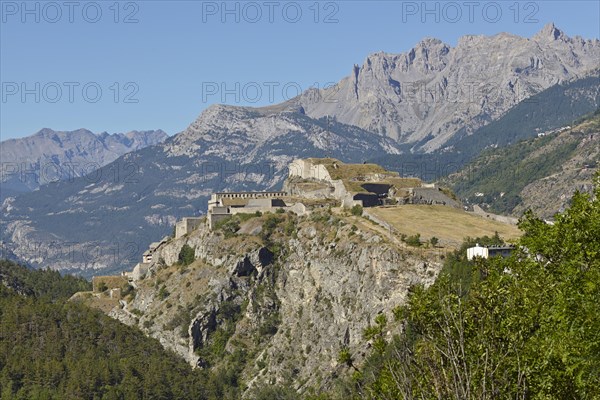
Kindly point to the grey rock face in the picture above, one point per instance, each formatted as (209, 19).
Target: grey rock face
(322, 291)
(49, 156)
(424, 96)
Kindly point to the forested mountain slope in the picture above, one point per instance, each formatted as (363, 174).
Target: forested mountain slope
(539, 174)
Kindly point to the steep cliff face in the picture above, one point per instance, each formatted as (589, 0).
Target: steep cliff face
(424, 96)
(278, 304)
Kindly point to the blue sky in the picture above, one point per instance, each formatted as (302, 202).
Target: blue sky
(118, 66)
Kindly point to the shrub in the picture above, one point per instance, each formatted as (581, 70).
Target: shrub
(344, 356)
(163, 293)
(270, 325)
(186, 255)
(290, 227)
(319, 217)
(269, 226)
(181, 321)
(414, 240)
(230, 227)
(357, 210)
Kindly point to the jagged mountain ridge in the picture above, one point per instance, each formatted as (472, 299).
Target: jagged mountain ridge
(424, 96)
(245, 130)
(555, 107)
(50, 155)
(105, 221)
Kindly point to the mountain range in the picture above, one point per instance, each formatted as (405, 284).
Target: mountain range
(48, 155)
(555, 107)
(105, 220)
(425, 96)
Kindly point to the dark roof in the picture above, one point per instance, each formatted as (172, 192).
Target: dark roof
(272, 192)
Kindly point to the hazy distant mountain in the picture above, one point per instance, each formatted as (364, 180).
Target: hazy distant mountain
(424, 96)
(49, 155)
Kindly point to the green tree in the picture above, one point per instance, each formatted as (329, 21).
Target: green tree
(345, 358)
(524, 327)
(186, 255)
(52, 348)
(414, 240)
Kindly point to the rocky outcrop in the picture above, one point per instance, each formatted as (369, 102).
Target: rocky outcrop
(290, 310)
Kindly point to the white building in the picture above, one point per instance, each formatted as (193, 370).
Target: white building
(477, 251)
(487, 252)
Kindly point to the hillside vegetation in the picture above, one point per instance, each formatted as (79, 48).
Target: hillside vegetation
(523, 327)
(43, 284)
(540, 173)
(53, 349)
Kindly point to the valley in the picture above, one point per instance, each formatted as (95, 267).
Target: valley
(426, 227)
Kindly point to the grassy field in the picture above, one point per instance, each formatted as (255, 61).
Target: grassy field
(447, 224)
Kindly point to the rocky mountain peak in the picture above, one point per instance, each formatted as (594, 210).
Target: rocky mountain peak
(550, 33)
(51, 133)
(155, 135)
(427, 94)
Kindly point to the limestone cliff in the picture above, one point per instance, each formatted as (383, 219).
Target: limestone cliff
(424, 96)
(276, 297)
